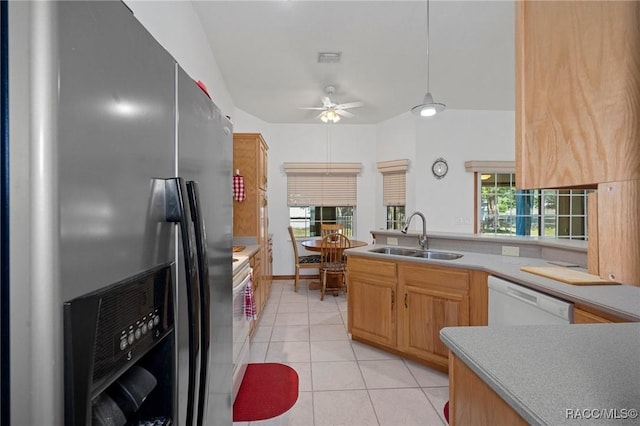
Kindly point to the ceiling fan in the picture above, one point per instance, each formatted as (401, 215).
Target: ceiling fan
(332, 111)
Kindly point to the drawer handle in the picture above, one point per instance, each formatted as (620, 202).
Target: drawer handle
(405, 300)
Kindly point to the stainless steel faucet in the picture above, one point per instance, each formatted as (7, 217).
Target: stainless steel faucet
(422, 239)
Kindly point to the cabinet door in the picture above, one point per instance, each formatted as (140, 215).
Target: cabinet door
(262, 166)
(577, 92)
(423, 313)
(371, 308)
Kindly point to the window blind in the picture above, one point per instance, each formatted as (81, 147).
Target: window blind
(322, 184)
(394, 178)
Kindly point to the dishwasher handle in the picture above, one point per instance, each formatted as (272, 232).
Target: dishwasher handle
(521, 295)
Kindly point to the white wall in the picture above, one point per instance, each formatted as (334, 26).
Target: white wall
(457, 136)
(396, 140)
(176, 26)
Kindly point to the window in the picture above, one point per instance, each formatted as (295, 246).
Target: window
(394, 177)
(550, 213)
(395, 217)
(306, 221)
(504, 210)
(321, 193)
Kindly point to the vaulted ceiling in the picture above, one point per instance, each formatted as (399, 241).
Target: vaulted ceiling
(268, 51)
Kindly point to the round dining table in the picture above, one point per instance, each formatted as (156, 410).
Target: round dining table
(316, 245)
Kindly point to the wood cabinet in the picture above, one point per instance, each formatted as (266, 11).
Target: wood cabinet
(618, 240)
(577, 93)
(251, 216)
(402, 306)
(587, 315)
(473, 402)
(577, 109)
(431, 298)
(372, 300)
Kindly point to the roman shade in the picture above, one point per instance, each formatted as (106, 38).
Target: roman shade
(394, 178)
(322, 184)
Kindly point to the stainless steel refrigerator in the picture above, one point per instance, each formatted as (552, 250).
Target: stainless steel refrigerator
(103, 133)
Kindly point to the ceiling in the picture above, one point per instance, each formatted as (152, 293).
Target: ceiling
(267, 52)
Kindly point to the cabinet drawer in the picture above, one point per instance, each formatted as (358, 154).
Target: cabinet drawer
(373, 267)
(433, 276)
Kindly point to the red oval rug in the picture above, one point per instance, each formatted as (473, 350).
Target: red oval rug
(267, 390)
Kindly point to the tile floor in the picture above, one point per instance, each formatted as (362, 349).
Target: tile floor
(342, 382)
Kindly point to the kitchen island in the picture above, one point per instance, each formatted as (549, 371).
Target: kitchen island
(548, 375)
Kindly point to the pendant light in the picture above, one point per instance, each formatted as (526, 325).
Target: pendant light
(428, 107)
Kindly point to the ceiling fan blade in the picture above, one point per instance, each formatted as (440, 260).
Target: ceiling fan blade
(326, 101)
(313, 108)
(353, 104)
(319, 115)
(344, 113)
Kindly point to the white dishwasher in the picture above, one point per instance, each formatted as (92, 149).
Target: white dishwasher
(513, 304)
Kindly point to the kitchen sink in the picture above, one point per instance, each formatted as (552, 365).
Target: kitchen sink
(395, 250)
(437, 255)
(425, 254)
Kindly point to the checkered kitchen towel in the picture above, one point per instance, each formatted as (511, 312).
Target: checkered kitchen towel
(239, 193)
(250, 311)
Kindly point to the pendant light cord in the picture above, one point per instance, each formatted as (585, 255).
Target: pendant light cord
(428, 41)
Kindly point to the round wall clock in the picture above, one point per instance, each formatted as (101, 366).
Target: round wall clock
(440, 168)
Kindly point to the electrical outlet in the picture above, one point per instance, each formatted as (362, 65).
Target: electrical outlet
(510, 251)
(392, 241)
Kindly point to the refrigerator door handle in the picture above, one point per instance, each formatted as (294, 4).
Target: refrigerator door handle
(178, 210)
(203, 271)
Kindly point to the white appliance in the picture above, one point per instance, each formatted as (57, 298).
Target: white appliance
(242, 276)
(513, 304)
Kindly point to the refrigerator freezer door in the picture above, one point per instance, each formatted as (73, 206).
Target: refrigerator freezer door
(115, 134)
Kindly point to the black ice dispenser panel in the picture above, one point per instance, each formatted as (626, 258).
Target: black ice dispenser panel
(120, 353)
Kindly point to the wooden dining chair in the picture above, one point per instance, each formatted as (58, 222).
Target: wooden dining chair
(330, 228)
(334, 266)
(311, 261)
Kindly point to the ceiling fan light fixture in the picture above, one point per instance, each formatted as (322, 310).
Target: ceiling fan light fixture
(329, 115)
(428, 108)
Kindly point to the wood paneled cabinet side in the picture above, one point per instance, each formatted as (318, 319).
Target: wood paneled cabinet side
(473, 402)
(430, 298)
(255, 262)
(577, 93)
(587, 315)
(371, 300)
(618, 239)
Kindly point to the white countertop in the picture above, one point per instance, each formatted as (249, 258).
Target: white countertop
(243, 256)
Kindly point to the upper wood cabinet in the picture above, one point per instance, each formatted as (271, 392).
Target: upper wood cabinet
(577, 92)
(250, 160)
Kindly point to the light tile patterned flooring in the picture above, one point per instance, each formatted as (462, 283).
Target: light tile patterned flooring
(342, 382)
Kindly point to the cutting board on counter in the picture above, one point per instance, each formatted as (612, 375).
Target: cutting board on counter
(566, 275)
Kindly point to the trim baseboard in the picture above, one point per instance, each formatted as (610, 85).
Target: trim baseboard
(291, 277)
